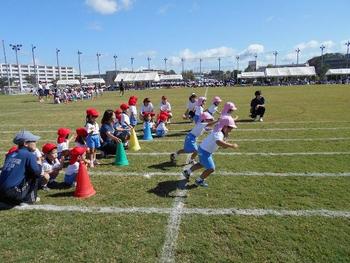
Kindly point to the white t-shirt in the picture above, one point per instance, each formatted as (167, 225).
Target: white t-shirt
(49, 167)
(212, 109)
(209, 143)
(148, 108)
(37, 153)
(161, 127)
(165, 107)
(199, 110)
(133, 110)
(72, 168)
(199, 128)
(94, 128)
(125, 119)
(191, 105)
(62, 146)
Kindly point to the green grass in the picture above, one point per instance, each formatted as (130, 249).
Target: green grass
(67, 236)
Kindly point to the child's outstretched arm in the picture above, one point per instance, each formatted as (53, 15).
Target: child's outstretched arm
(226, 144)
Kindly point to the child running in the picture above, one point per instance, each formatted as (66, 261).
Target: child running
(209, 146)
(199, 109)
(190, 145)
(229, 107)
(93, 131)
(214, 106)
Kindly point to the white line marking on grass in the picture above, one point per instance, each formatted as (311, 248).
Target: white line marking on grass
(168, 250)
(188, 211)
(223, 173)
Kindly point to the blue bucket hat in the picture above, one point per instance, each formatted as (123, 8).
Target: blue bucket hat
(25, 136)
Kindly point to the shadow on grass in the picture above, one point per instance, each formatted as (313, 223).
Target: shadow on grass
(164, 166)
(62, 194)
(168, 188)
(6, 206)
(245, 120)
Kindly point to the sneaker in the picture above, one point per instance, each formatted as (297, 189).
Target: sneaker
(37, 199)
(173, 158)
(261, 120)
(201, 182)
(186, 173)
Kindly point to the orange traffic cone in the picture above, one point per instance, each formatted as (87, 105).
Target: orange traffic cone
(84, 187)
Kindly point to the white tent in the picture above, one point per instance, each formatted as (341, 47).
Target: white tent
(171, 77)
(338, 71)
(92, 81)
(251, 75)
(138, 76)
(291, 72)
(68, 82)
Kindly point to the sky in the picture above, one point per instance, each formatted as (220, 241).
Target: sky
(172, 29)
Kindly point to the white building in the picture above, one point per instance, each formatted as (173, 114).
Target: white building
(44, 73)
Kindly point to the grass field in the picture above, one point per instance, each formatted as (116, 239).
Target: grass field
(283, 196)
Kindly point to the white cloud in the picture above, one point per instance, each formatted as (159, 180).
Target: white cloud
(222, 52)
(308, 45)
(251, 50)
(148, 53)
(107, 7)
(95, 26)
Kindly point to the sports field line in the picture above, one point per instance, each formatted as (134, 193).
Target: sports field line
(236, 130)
(222, 173)
(187, 211)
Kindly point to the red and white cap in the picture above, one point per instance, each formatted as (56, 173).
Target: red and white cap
(217, 99)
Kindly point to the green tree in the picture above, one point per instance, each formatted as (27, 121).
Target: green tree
(188, 75)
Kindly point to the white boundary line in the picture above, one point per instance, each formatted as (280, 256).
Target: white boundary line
(189, 211)
(222, 173)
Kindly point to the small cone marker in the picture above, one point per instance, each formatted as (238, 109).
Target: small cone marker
(147, 133)
(84, 187)
(134, 142)
(120, 156)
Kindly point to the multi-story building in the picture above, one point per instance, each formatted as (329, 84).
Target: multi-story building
(43, 72)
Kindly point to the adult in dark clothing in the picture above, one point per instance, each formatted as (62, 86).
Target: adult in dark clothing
(257, 107)
(109, 145)
(21, 171)
(121, 88)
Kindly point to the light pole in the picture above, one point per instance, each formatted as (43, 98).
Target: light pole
(322, 47)
(347, 44)
(79, 53)
(237, 59)
(275, 53)
(165, 60)
(182, 64)
(200, 66)
(149, 63)
(132, 64)
(115, 63)
(34, 64)
(16, 48)
(98, 55)
(219, 59)
(256, 61)
(297, 51)
(7, 65)
(58, 63)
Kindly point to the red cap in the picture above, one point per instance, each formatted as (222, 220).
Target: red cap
(12, 149)
(62, 134)
(81, 132)
(92, 112)
(132, 101)
(163, 117)
(75, 153)
(48, 147)
(124, 106)
(148, 113)
(118, 112)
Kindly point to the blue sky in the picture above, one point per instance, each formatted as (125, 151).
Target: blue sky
(174, 29)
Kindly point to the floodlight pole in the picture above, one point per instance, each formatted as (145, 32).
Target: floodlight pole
(98, 55)
(200, 66)
(58, 63)
(149, 63)
(219, 59)
(322, 47)
(182, 63)
(275, 53)
(79, 53)
(297, 51)
(115, 63)
(16, 48)
(34, 65)
(7, 65)
(132, 64)
(256, 61)
(347, 53)
(165, 67)
(237, 59)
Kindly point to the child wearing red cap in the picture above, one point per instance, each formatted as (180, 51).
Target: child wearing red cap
(161, 129)
(148, 121)
(80, 140)
(63, 143)
(93, 138)
(166, 107)
(77, 154)
(133, 111)
(51, 165)
(125, 123)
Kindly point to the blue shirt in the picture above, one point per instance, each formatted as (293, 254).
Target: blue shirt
(19, 165)
(103, 132)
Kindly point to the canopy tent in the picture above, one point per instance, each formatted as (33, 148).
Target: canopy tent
(93, 81)
(251, 75)
(290, 72)
(338, 71)
(171, 77)
(68, 82)
(138, 76)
